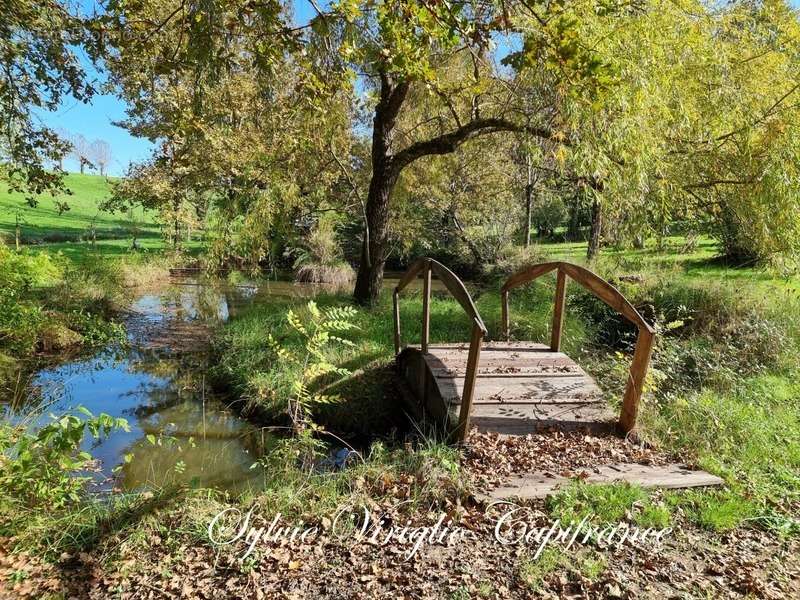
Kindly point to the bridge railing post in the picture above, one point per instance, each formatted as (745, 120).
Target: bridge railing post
(506, 322)
(426, 306)
(396, 302)
(558, 310)
(636, 380)
(469, 381)
(611, 296)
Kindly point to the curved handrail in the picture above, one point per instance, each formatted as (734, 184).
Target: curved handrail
(611, 296)
(427, 266)
(589, 280)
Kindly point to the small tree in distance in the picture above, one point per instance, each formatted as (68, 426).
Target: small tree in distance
(80, 151)
(100, 154)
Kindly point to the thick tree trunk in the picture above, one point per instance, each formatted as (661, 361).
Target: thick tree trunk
(385, 171)
(374, 248)
(597, 229)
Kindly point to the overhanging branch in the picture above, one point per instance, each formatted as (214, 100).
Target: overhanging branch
(449, 142)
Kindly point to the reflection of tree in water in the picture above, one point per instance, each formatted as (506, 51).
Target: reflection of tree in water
(193, 443)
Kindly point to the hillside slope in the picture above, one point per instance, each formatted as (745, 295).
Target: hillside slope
(44, 223)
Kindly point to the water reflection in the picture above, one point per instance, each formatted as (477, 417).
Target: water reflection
(180, 432)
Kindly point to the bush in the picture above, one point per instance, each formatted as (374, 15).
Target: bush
(43, 468)
(319, 258)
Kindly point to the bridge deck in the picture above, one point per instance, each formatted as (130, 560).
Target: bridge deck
(521, 387)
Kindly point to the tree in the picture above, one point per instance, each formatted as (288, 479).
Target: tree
(38, 68)
(100, 155)
(80, 151)
(246, 126)
(405, 51)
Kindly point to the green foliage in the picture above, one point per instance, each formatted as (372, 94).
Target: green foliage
(39, 42)
(21, 319)
(317, 334)
(603, 503)
(43, 467)
(533, 572)
(716, 510)
(318, 257)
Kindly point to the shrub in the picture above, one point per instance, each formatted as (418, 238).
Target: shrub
(42, 467)
(319, 258)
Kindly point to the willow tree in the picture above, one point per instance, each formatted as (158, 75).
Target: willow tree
(224, 88)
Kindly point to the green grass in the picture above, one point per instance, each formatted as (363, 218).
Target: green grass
(725, 394)
(44, 223)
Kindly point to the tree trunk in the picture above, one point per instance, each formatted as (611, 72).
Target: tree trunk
(81, 165)
(375, 245)
(528, 201)
(597, 229)
(385, 171)
(574, 224)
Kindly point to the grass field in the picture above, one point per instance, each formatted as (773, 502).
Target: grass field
(44, 223)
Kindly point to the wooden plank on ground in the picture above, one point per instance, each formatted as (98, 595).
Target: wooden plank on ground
(540, 485)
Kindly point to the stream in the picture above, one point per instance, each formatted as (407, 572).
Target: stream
(181, 433)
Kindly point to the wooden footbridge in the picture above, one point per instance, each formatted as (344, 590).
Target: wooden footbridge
(520, 387)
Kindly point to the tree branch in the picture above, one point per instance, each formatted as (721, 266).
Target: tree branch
(449, 142)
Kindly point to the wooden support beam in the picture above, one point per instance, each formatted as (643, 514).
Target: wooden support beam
(426, 306)
(636, 379)
(469, 381)
(506, 320)
(558, 311)
(396, 302)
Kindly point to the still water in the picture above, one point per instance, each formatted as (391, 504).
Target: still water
(180, 432)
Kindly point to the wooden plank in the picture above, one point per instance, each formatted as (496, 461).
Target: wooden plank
(528, 274)
(509, 372)
(607, 293)
(510, 389)
(545, 411)
(456, 287)
(541, 485)
(411, 274)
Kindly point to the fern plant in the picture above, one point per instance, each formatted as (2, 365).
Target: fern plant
(320, 333)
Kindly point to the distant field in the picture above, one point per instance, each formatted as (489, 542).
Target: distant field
(44, 224)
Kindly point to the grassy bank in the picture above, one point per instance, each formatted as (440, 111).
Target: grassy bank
(52, 306)
(722, 395)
